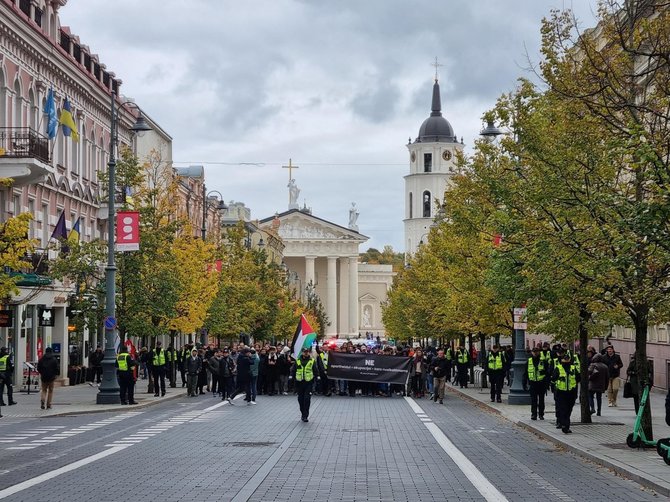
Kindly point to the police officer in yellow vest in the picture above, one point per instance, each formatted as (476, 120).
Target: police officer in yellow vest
(171, 365)
(304, 371)
(6, 375)
(495, 368)
(125, 364)
(565, 380)
(536, 376)
(157, 359)
(462, 366)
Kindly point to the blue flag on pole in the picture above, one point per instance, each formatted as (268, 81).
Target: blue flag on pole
(50, 111)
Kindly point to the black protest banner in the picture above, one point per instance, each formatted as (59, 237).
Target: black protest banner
(368, 367)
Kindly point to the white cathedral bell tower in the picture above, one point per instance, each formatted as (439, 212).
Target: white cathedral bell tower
(432, 163)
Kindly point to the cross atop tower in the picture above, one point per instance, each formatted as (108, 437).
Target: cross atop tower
(436, 65)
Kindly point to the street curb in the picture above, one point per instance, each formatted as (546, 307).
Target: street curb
(119, 407)
(620, 469)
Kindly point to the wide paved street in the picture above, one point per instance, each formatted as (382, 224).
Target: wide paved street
(376, 449)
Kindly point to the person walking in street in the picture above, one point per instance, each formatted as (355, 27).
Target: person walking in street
(598, 382)
(125, 364)
(243, 376)
(255, 371)
(95, 360)
(303, 372)
(6, 375)
(272, 373)
(462, 365)
(48, 369)
(193, 369)
(614, 365)
(214, 366)
(496, 371)
(439, 366)
(226, 374)
(565, 380)
(157, 359)
(417, 372)
(536, 375)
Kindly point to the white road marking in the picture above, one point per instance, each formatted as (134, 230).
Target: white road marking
(57, 472)
(21, 448)
(474, 475)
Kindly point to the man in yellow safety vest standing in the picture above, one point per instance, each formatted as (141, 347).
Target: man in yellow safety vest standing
(125, 364)
(496, 371)
(536, 374)
(565, 379)
(157, 359)
(303, 371)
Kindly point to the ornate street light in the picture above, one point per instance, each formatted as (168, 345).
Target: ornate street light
(221, 206)
(109, 388)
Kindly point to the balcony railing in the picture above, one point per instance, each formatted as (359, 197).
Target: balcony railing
(23, 142)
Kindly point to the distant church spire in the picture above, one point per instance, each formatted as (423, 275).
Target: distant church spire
(436, 108)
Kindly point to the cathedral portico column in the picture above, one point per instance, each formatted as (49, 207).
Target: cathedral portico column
(309, 270)
(353, 295)
(331, 297)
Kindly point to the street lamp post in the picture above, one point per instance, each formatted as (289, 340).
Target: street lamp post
(517, 394)
(109, 388)
(205, 206)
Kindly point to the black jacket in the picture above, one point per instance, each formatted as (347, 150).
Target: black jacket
(48, 367)
(193, 365)
(611, 362)
(439, 367)
(243, 367)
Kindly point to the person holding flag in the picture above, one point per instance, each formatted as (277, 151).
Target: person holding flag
(303, 370)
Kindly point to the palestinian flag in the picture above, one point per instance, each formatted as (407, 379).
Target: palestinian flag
(304, 337)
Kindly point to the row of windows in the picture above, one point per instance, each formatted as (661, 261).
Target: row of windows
(426, 204)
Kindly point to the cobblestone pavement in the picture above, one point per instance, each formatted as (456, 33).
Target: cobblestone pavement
(352, 449)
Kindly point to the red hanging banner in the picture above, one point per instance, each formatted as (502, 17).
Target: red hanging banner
(127, 231)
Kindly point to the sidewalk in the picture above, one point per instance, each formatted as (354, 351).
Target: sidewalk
(80, 399)
(603, 441)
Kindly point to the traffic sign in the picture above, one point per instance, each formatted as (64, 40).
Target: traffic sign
(520, 325)
(110, 323)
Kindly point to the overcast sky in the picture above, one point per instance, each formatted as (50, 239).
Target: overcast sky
(338, 86)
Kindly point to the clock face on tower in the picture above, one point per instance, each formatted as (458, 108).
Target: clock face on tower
(413, 156)
(446, 155)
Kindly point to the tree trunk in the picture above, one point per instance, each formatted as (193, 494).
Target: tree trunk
(482, 351)
(584, 316)
(472, 363)
(641, 320)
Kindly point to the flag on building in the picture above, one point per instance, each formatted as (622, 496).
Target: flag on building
(60, 232)
(74, 233)
(67, 121)
(128, 197)
(304, 337)
(50, 111)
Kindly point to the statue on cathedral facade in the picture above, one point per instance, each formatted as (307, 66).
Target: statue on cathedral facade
(293, 192)
(353, 217)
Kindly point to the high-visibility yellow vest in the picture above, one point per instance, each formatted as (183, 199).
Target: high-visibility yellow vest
(305, 372)
(122, 361)
(536, 374)
(3, 363)
(324, 360)
(566, 381)
(159, 358)
(463, 357)
(495, 361)
(171, 355)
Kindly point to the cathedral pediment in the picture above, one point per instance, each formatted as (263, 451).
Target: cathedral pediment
(295, 225)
